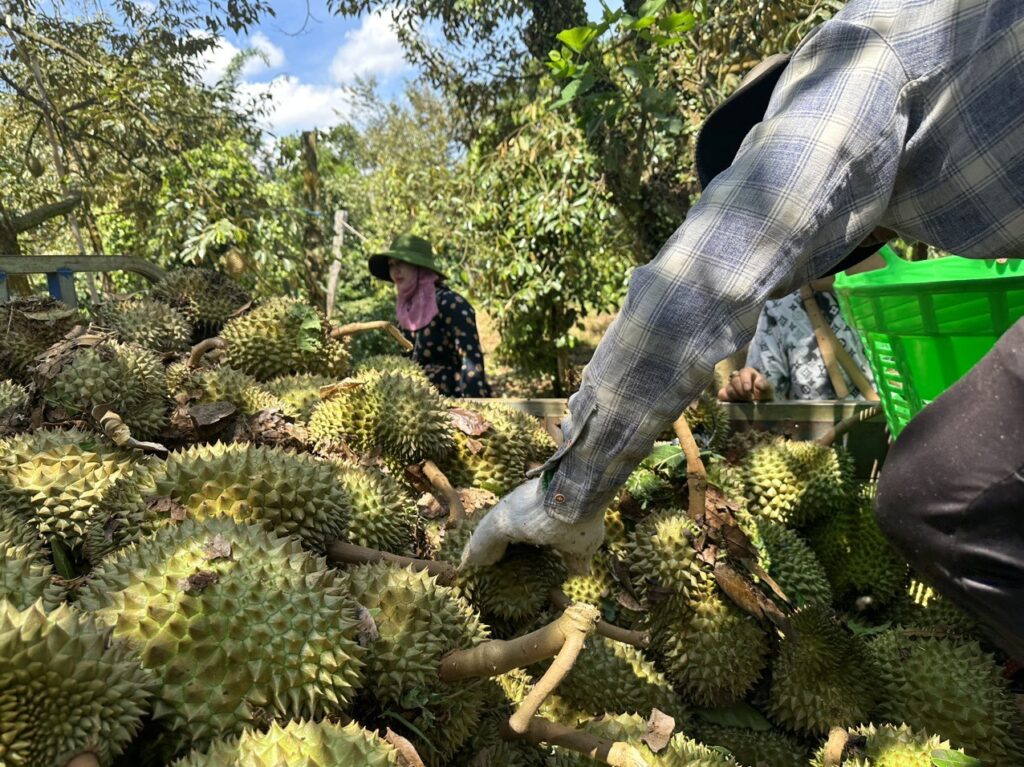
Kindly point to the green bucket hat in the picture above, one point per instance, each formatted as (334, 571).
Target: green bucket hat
(408, 248)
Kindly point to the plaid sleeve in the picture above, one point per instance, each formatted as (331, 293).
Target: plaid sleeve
(809, 183)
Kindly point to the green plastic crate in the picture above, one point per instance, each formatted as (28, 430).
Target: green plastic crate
(924, 324)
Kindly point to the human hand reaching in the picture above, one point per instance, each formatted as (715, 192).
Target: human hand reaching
(746, 385)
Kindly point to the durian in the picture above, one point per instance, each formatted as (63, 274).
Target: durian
(924, 608)
(391, 363)
(495, 460)
(823, 676)
(791, 563)
(13, 399)
(648, 489)
(757, 748)
(240, 627)
(418, 622)
(65, 687)
(382, 515)
(952, 688)
(298, 394)
(661, 556)
(709, 422)
(145, 322)
(282, 337)
(887, 746)
(592, 588)
(27, 327)
(221, 384)
(25, 575)
(298, 744)
(288, 493)
(205, 298)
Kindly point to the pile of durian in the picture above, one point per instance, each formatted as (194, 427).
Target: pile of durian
(227, 537)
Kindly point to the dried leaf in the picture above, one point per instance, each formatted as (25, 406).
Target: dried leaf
(211, 413)
(164, 505)
(217, 547)
(659, 730)
(367, 627)
(326, 392)
(197, 582)
(475, 499)
(407, 756)
(469, 421)
(474, 445)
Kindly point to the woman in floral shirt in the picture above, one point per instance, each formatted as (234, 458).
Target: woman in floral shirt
(439, 322)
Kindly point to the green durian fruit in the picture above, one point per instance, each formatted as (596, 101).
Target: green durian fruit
(25, 576)
(298, 744)
(661, 557)
(348, 417)
(609, 673)
(539, 444)
(953, 688)
(239, 627)
(18, 533)
(712, 651)
(13, 399)
(65, 687)
(145, 322)
(485, 747)
(768, 748)
(730, 479)
(791, 563)
(418, 622)
(281, 337)
(205, 298)
(856, 556)
(127, 378)
(616, 537)
(887, 745)
(382, 515)
(75, 488)
(649, 489)
(288, 493)
(515, 590)
(392, 363)
(924, 608)
(709, 422)
(592, 588)
(797, 483)
(28, 327)
(823, 676)
(495, 460)
(298, 394)
(681, 751)
(221, 384)
(413, 423)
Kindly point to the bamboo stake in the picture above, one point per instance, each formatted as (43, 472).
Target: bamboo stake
(440, 483)
(640, 639)
(351, 554)
(846, 424)
(499, 655)
(361, 327)
(201, 348)
(696, 474)
(615, 753)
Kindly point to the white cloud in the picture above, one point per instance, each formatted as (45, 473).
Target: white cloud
(216, 60)
(370, 49)
(299, 106)
(274, 55)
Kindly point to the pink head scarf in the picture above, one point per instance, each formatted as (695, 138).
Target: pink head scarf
(416, 304)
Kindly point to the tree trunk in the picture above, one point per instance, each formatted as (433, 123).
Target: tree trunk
(312, 235)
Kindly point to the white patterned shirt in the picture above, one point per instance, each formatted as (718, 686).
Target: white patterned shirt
(907, 114)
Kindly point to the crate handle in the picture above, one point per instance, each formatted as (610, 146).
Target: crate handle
(892, 258)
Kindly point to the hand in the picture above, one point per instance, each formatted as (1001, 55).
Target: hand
(520, 517)
(746, 385)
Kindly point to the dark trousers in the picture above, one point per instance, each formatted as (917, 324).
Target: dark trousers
(951, 495)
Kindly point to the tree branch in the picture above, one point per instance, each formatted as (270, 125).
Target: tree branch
(351, 554)
(615, 753)
(696, 474)
(44, 213)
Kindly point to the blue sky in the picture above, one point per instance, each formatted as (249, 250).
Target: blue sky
(311, 59)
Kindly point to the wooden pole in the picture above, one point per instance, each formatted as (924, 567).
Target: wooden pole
(334, 275)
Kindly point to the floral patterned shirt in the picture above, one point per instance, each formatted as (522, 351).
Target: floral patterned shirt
(448, 348)
(785, 350)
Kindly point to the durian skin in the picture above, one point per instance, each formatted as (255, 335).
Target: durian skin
(237, 625)
(25, 577)
(299, 394)
(297, 744)
(27, 327)
(281, 337)
(950, 687)
(791, 563)
(65, 687)
(823, 676)
(289, 493)
(382, 515)
(495, 460)
(887, 745)
(13, 398)
(768, 748)
(418, 622)
(922, 607)
(661, 555)
(146, 322)
(207, 299)
(221, 384)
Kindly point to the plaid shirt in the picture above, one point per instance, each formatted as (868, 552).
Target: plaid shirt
(907, 114)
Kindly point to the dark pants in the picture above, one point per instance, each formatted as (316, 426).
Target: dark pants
(951, 496)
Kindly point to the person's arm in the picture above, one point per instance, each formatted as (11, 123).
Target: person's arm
(811, 181)
(472, 381)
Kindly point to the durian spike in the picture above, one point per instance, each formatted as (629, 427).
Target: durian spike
(835, 747)
(85, 759)
(119, 433)
(351, 554)
(195, 359)
(541, 730)
(440, 483)
(498, 656)
(696, 474)
(639, 639)
(839, 429)
(361, 327)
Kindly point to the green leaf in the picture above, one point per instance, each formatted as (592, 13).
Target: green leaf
(677, 22)
(665, 456)
(651, 7)
(943, 758)
(62, 559)
(577, 38)
(568, 94)
(741, 715)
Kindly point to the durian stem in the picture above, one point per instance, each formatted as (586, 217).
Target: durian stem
(438, 480)
(87, 759)
(832, 754)
(119, 433)
(406, 751)
(605, 751)
(696, 474)
(826, 439)
(639, 639)
(195, 359)
(353, 328)
(351, 554)
(499, 655)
